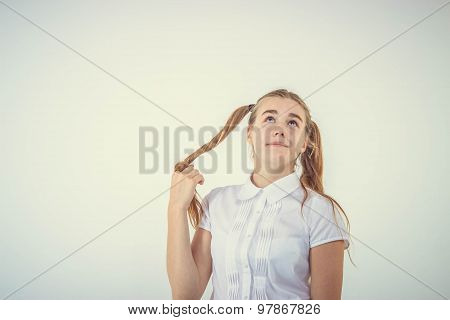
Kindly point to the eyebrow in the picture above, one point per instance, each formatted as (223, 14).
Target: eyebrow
(276, 112)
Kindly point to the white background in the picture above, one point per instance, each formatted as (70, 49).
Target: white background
(69, 132)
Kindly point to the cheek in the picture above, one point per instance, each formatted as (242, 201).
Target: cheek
(297, 141)
(261, 136)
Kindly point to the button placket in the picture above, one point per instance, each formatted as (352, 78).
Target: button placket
(262, 249)
(251, 227)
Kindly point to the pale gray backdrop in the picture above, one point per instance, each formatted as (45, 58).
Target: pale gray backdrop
(79, 78)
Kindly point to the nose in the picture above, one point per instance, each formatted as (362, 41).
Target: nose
(278, 131)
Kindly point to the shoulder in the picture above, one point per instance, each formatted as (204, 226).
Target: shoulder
(316, 199)
(218, 199)
(322, 215)
(222, 193)
(317, 203)
(313, 197)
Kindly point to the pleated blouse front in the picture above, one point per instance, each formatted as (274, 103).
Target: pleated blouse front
(260, 239)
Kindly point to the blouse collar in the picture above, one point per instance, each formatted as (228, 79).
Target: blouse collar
(275, 191)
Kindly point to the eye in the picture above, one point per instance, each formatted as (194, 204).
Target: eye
(295, 122)
(268, 118)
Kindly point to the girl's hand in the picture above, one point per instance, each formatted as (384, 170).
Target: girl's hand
(183, 185)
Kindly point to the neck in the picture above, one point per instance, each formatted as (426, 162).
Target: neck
(261, 178)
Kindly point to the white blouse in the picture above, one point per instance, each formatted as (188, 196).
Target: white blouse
(260, 240)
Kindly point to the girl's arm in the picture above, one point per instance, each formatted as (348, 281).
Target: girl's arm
(181, 267)
(327, 264)
(187, 267)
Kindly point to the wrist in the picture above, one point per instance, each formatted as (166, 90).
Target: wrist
(175, 207)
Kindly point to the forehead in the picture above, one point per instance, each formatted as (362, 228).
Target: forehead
(284, 106)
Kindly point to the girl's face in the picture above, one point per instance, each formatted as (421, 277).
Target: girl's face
(278, 134)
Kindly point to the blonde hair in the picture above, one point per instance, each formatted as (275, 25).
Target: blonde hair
(311, 160)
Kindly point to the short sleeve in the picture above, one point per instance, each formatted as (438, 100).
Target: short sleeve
(205, 222)
(322, 223)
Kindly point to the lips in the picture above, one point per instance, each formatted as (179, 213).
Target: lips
(279, 144)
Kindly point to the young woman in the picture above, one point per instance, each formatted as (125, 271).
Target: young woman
(277, 235)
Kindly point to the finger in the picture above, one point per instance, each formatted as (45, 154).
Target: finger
(194, 176)
(199, 179)
(188, 169)
(193, 173)
(199, 176)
